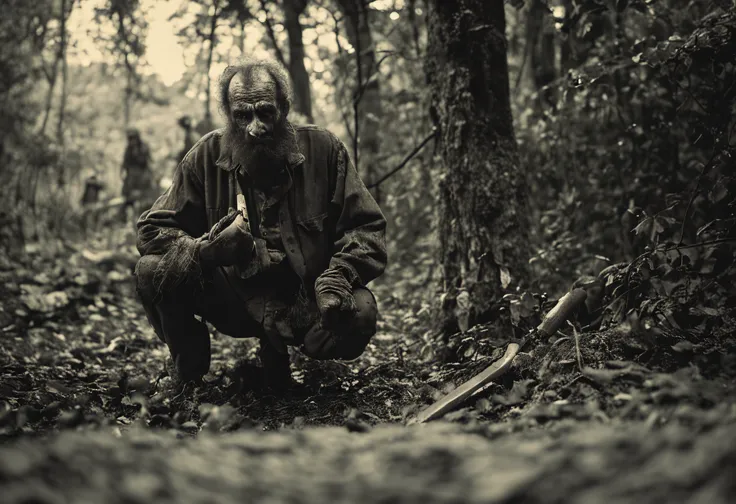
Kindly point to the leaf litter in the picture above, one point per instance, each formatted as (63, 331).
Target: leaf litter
(81, 371)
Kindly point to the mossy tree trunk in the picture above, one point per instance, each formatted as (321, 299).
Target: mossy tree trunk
(483, 223)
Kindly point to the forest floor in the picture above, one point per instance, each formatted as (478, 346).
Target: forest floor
(81, 420)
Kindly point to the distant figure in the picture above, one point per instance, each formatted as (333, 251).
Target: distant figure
(185, 122)
(136, 173)
(92, 188)
(91, 196)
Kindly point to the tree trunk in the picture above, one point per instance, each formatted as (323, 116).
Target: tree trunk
(128, 99)
(299, 76)
(66, 6)
(129, 70)
(51, 79)
(64, 72)
(241, 43)
(213, 40)
(483, 225)
(367, 96)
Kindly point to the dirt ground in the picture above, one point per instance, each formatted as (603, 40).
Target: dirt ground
(81, 419)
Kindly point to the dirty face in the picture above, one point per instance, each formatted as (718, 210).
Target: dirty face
(258, 130)
(254, 107)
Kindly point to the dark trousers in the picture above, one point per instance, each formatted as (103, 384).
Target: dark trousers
(217, 301)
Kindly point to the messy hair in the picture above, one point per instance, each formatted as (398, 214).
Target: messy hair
(245, 67)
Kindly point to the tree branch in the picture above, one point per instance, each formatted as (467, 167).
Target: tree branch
(405, 160)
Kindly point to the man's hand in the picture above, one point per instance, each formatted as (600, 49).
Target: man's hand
(232, 245)
(334, 297)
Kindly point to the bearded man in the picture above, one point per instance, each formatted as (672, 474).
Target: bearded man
(267, 231)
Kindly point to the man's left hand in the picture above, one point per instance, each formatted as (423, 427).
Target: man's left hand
(333, 306)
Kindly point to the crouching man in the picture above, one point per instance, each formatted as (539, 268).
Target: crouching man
(267, 231)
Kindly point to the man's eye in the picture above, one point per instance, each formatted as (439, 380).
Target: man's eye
(243, 115)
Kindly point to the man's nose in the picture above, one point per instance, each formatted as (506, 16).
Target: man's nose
(257, 130)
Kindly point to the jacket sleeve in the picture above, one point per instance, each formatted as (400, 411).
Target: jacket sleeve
(174, 229)
(177, 215)
(359, 248)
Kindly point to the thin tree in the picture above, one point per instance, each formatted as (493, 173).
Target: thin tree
(127, 44)
(367, 109)
(59, 38)
(292, 10)
(212, 15)
(64, 69)
(211, 39)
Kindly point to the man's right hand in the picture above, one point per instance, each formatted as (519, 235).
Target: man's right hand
(232, 245)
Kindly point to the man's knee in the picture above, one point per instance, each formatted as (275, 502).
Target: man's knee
(145, 271)
(362, 327)
(366, 313)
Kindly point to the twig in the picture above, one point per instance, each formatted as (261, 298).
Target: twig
(364, 85)
(406, 159)
(577, 346)
(701, 244)
(694, 194)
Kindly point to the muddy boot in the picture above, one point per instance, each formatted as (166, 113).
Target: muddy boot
(190, 352)
(276, 368)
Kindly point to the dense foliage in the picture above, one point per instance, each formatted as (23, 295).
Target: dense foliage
(637, 161)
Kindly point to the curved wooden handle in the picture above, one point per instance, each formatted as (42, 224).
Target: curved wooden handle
(561, 312)
(467, 389)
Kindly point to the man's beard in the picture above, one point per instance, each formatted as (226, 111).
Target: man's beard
(262, 160)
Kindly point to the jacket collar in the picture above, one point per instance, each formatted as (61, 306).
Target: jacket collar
(293, 159)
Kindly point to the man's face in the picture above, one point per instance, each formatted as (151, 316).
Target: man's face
(254, 107)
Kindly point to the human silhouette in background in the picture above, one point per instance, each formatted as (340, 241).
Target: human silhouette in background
(93, 186)
(138, 183)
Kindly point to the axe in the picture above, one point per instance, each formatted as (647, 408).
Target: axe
(551, 322)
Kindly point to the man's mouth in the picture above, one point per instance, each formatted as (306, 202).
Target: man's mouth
(260, 139)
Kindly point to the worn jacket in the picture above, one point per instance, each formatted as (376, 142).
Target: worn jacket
(328, 219)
